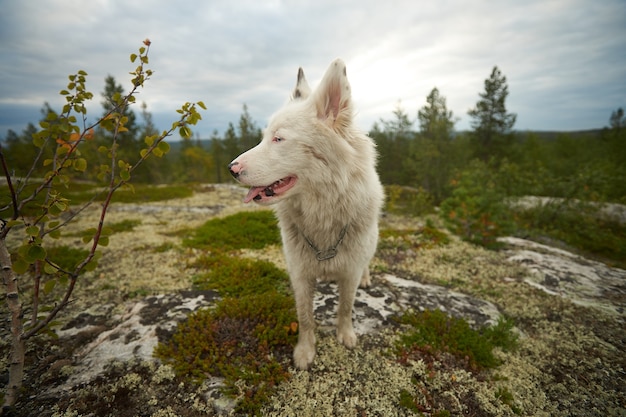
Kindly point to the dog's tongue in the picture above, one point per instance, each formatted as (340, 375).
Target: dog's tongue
(254, 191)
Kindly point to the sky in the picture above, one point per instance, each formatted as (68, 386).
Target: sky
(564, 60)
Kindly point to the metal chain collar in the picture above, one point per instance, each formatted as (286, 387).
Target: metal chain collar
(324, 255)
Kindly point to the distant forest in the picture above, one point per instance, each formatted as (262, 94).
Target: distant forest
(420, 150)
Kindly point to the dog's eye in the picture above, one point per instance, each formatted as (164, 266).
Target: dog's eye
(277, 139)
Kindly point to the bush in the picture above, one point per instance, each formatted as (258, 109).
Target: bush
(408, 200)
(477, 210)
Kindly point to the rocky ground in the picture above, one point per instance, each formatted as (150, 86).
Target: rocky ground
(569, 313)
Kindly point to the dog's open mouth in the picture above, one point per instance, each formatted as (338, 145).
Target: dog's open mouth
(267, 192)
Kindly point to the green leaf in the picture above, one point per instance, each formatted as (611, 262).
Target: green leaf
(38, 141)
(201, 105)
(36, 253)
(143, 153)
(91, 265)
(20, 266)
(55, 234)
(184, 132)
(49, 286)
(80, 164)
(50, 268)
(32, 231)
(157, 152)
(125, 175)
(104, 241)
(133, 57)
(164, 146)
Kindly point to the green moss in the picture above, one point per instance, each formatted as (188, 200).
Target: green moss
(237, 277)
(164, 247)
(254, 229)
(432, 332)
(124, 226)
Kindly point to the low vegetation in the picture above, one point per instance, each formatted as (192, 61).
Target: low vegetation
(248, 337)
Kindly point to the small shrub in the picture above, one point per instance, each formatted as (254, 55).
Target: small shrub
(245, 339)
(248, 337)
(408, 200)
(579, 225)
(248, 229)
(477, 211)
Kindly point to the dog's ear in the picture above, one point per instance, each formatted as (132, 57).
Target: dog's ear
(333, 96)
(302, 89)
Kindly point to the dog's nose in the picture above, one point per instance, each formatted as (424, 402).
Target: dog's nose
(234, 169)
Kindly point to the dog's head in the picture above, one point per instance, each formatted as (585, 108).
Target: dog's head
(303, 143)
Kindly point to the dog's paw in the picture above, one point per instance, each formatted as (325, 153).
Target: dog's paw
(366, 282)
(347, 338)
(303, 356)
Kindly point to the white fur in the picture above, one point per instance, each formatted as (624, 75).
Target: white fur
(313, 138)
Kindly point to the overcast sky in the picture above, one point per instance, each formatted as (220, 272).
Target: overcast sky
(565, 60)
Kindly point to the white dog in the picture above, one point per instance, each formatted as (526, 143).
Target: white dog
(319, 171)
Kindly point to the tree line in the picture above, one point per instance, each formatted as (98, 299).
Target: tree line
(425, 152)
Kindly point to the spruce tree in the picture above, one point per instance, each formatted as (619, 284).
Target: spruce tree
(491, 122)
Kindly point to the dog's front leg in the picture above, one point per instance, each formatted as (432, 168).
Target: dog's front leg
(304, 352)
(347, 292)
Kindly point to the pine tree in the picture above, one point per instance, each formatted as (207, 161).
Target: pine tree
(491, 122)
(435, 120)
(430, 156)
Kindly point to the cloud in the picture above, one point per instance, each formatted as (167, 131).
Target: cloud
(563, 60)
